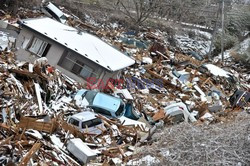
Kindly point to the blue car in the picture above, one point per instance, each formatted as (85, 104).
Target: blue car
(104, 104)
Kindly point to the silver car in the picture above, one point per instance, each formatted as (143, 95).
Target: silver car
(87, 122)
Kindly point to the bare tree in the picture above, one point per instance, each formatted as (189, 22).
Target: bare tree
(137, 10)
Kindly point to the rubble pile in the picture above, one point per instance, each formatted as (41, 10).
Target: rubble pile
(163, 76)
(35, 102)
(167, 84)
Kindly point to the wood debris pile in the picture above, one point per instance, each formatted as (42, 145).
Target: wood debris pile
(35, 103)
(168, 86)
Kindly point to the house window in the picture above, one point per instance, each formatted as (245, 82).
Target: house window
(82, 70)
(76, 64)
(39, 47)
(86, 71)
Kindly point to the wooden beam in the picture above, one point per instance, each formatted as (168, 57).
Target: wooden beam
(165, 81)
(30, 154)
(2, 142)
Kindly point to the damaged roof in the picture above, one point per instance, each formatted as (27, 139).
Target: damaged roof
(85, 44)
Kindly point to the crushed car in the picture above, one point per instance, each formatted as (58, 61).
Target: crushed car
(107, 105)
(52, 11)
(87, 122)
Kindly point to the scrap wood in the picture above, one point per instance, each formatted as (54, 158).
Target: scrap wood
(161, 54)
(115, 151)
(148, 135)
(11, 129)
(69, 160)
(119, 125)
(159, 115)
(22, 142)
(30, 154)
(107, 120)
(75, 131)
(182, 57)
(31, 123)
(4, 126)
(6, 140)
(165, 81)
(27, 74)
(21, 136)
(204, 82)
(52, 157)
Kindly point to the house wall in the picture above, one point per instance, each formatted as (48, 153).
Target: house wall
(55, 54)
(22, 53)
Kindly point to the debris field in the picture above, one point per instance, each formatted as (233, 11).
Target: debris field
(167, 84)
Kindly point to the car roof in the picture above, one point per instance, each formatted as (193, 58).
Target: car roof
(107, 102)
(85, 116)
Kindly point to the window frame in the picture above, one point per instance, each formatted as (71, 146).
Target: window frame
(77, 62)
(41, 50)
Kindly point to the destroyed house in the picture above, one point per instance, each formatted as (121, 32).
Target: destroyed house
(77, 54)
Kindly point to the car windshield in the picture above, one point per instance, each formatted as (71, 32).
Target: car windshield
(120, 110)
(91, 123)
(90, 95)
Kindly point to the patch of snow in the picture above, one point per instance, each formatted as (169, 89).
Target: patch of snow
(55, 140)
(195, 25)
(244, 46)
(131, 122)
(165, 152)
(144, 91)
(187, 44)
(147, 60)
(34, 133)
(207, 116)
(199, 32)
(217, 71)
(226, 55)
(149, 108)
(147, 160)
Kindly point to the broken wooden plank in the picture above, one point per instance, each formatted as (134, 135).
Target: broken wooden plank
(6, 140)
(31, 123)
(165, 81)
(159, 115)
(30, 154)
(26, 73)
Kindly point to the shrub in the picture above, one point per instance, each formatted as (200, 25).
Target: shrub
(229, 42)
(191, 34)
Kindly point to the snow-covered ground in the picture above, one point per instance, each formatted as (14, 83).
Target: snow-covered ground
(244, 46)
(241, 49)
(200, 43)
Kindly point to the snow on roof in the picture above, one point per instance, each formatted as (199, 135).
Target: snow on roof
(89, 46)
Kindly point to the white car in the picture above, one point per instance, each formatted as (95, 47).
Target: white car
(87, 122)
(51, 10)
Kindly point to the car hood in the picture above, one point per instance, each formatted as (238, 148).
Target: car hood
(107, 102)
